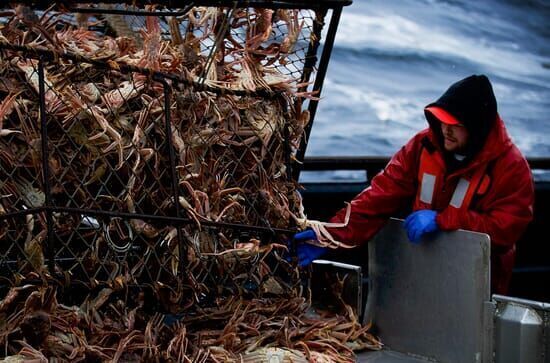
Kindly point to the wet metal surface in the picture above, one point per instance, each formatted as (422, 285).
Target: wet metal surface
(431, 299)
(388, 356)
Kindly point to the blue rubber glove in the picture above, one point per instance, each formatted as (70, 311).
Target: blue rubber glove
(307, 252)
(420, 222)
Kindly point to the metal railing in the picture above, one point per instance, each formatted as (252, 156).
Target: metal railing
(374, 164)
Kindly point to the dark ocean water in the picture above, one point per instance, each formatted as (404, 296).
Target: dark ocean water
(391, 58)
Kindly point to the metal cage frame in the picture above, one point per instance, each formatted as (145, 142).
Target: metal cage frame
(313, 66)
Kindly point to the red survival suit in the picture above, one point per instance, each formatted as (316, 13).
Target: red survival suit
(491, 191)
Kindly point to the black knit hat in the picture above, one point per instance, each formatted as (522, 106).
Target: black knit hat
(472, 102)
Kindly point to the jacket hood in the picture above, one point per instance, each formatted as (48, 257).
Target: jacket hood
(472, 102)
(498, 142)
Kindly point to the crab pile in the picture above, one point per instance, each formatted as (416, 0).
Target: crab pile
(106, 136)
(229, 150)
(108, 326)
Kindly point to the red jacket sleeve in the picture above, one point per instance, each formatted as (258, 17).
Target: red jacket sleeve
(506, 210)
(390, 191)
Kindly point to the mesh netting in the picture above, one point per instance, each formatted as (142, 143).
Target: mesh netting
(152, 149)
(115, 125)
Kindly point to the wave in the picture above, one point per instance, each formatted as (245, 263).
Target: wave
(394, 35)
(390, 59)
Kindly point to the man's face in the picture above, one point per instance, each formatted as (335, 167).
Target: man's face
(455, 137)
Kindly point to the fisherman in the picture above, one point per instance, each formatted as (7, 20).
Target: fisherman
(462, 172)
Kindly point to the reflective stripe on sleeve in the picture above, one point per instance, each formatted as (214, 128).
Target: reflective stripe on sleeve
(427, 188)
(460, 193)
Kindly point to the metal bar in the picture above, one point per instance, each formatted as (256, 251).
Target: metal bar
(309, 65)
(318, 86)
(126, 68)
(311, 54)
(322, 163)
(15, 262)
(273, 4)
(541, 163)
(288, 151)
(223, 29)
(169, 145)
(72, 283)
(531, 303)
(173, 172)
(184, 11)
(23, 212)
(303, 4)
(50, 251)
(171, 219)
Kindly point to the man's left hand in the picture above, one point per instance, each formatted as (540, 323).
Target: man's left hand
(420, 222)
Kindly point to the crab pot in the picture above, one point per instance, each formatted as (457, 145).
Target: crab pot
(149, 145)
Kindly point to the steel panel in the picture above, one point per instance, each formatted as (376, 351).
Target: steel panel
(522, 330)
(430, 299)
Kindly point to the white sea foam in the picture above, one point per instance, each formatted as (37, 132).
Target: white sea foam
(398, 33)
(372, 105)
(386, 107)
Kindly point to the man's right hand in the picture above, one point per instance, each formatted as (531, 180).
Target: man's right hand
(305, 251)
